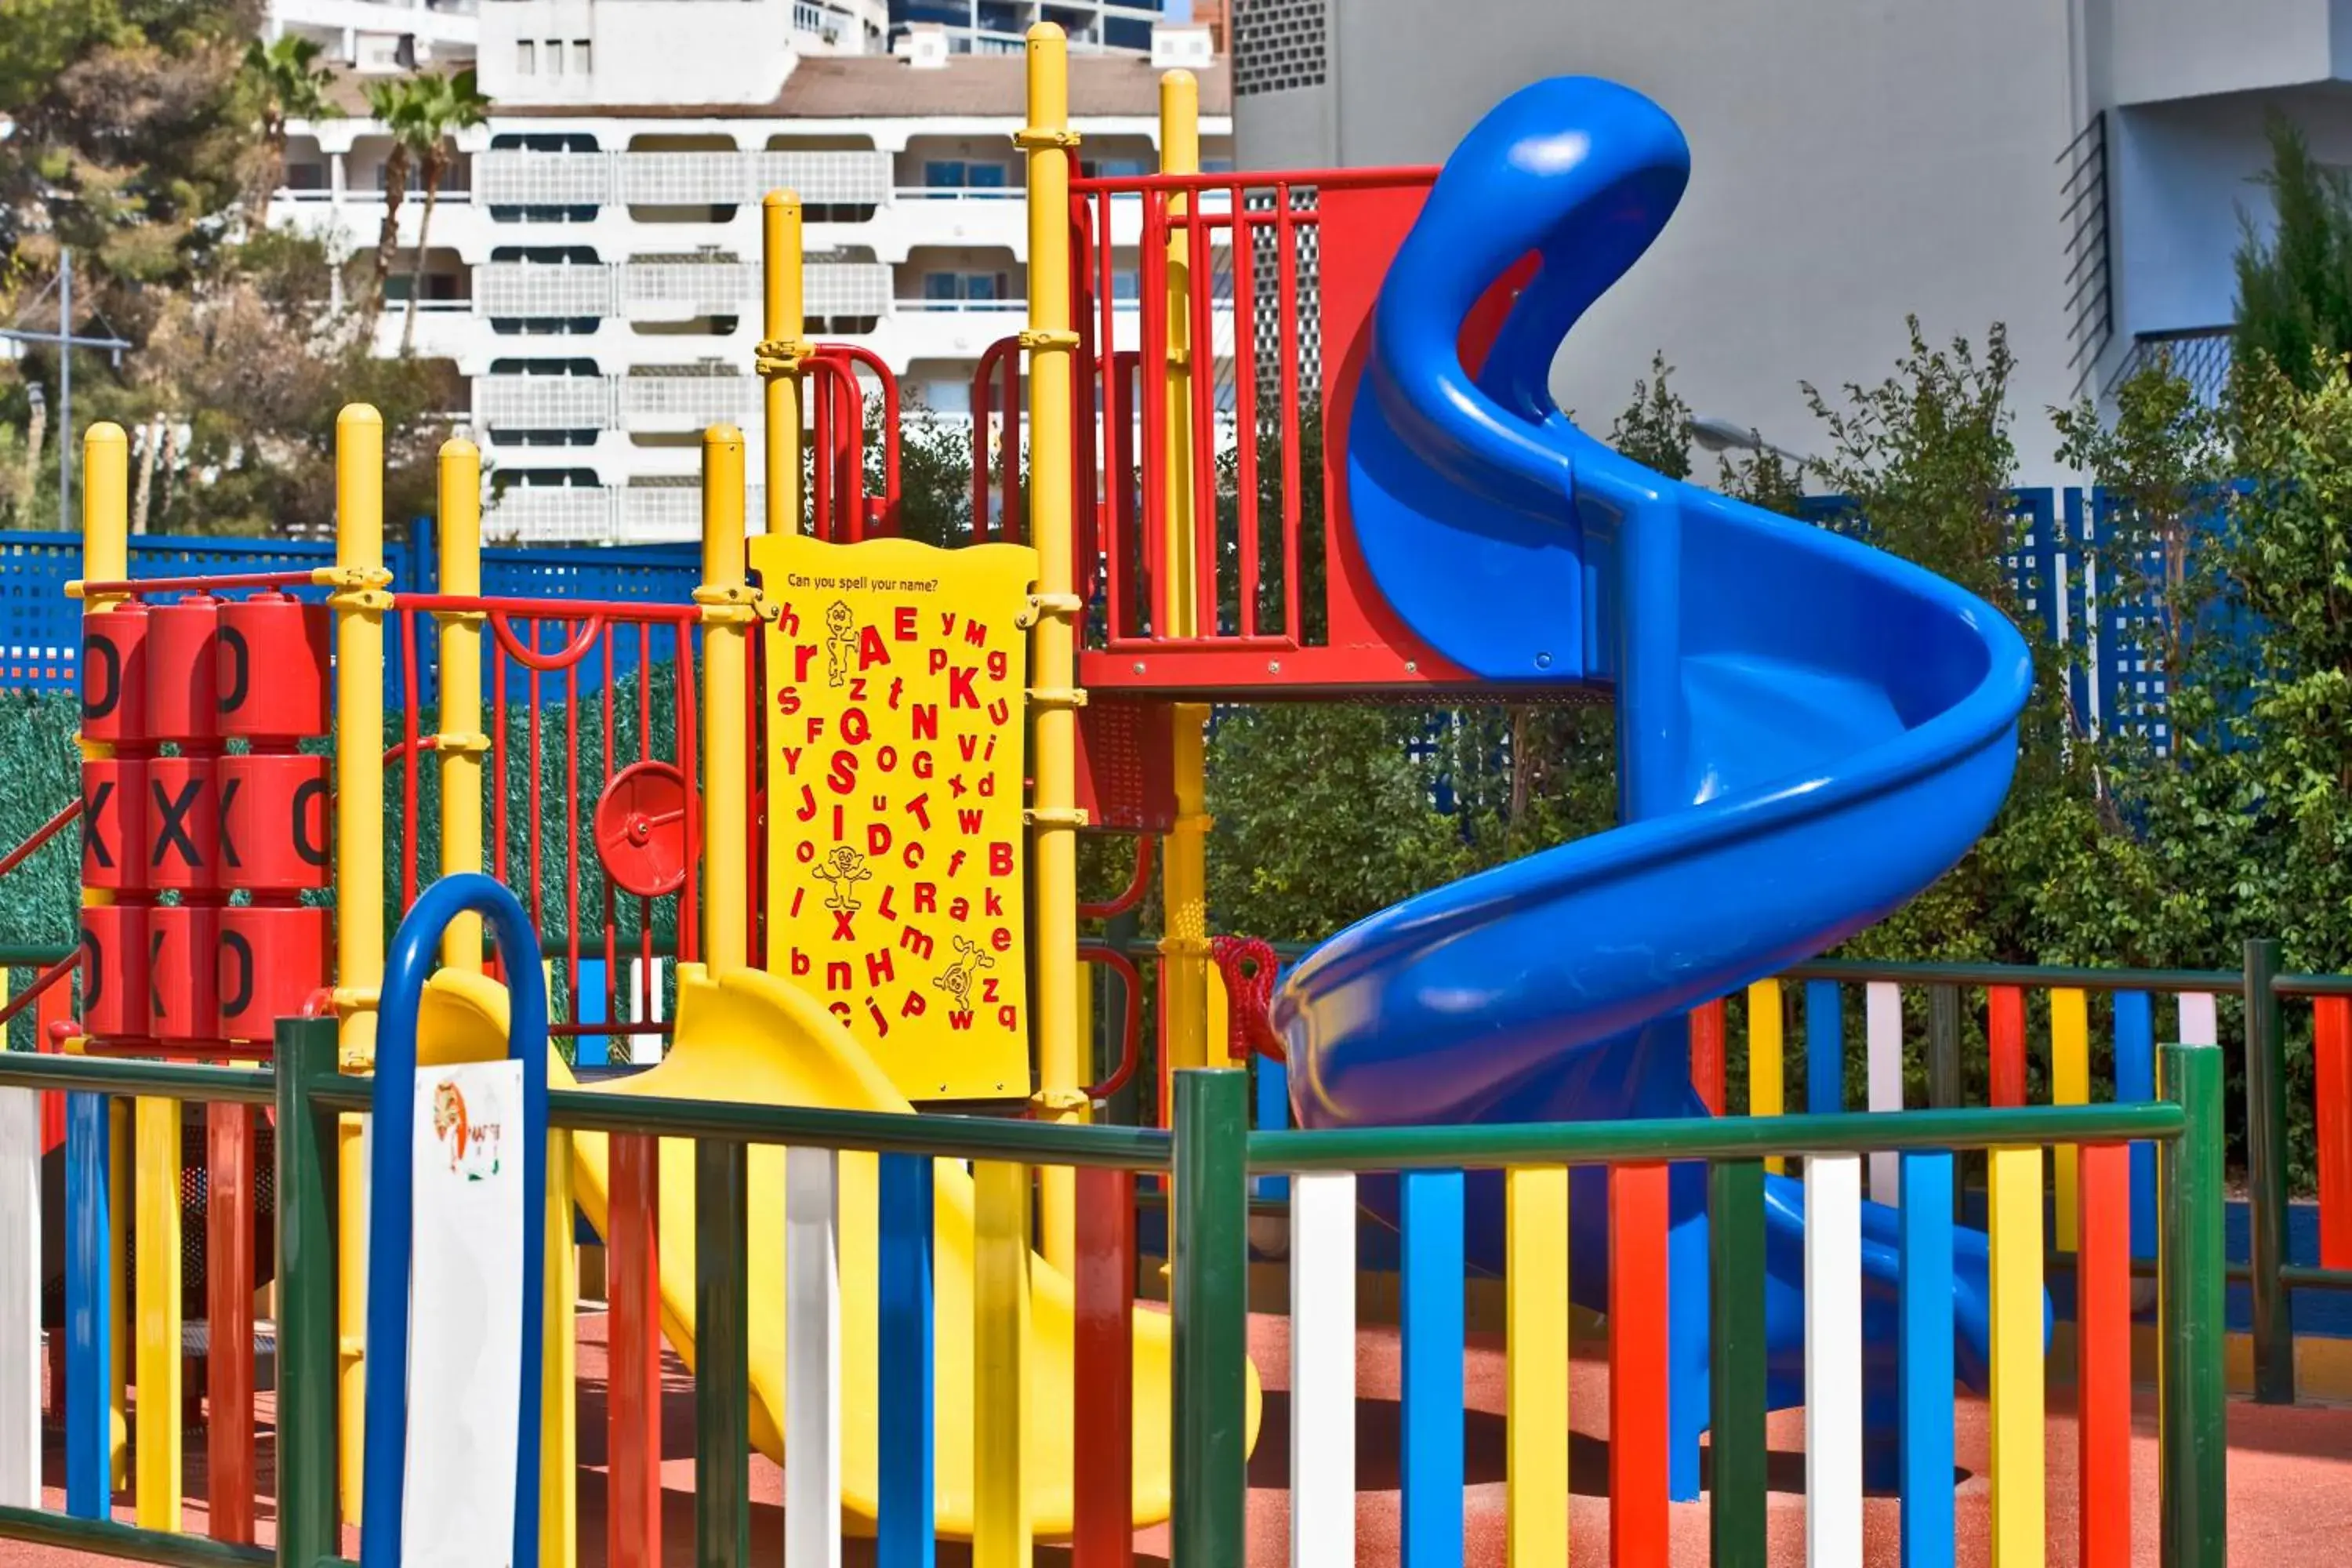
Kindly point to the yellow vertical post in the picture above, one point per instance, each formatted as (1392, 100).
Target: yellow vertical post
(1764, 1056)
(118, 1295)
(781, 320)
(157, 1228)
(1535, 1333)
(2069, 1084)
(1185, 880)
(2014, 1208)
(1001, 1523)
(559, 1424)
(360, 602)
(1053, 703)
(106, 557)
(462, 740)
(727, 613)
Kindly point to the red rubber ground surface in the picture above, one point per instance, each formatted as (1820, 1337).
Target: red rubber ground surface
(2290, 1474)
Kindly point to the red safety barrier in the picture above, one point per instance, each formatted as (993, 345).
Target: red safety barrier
(2103, 1340)
(114, 970)
(2005, 1030)
(1638, 1429)
(1707, 1064)
(1132, 894)
(2331, 1061)
(1130, 1046)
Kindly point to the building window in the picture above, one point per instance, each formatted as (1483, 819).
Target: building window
(1111, 168)
(556, 57)
(525, 57)
(945, 394)
(961, 174)
(944, 288)
(1126, 284)
(579, 56)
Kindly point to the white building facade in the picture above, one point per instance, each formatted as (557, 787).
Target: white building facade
(592, 268)
(2074, 168)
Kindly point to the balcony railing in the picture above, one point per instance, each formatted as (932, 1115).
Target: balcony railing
(542, 402)
(822, 179)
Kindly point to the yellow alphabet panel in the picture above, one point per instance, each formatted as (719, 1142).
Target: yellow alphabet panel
(897, 863)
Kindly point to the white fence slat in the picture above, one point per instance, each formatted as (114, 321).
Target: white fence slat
(1833, 1360)
(20, 1298)
(1883, 1024)
(811, 1358)
(1323, 1371)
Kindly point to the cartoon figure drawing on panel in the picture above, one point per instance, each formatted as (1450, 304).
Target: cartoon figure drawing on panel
(956, 978)
(840, 643)
(841, 871)
(449, 1120)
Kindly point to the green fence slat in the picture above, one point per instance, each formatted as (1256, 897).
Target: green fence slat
(1210, 1296)
(306, 1351)
(2192, 1439)
(1736, 1386)
(722, 1364)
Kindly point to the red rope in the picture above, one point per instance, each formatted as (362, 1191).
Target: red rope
(1248, 966)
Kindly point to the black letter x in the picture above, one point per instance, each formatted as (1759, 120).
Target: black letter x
(173, 826)
(92, 844)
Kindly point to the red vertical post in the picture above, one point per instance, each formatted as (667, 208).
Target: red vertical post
(2102, 1352)
(2332, 1082)
(632, 1411)
(229, 1434)
(1707, 1053)
(2005, 1028)
(50, 1009)
(1103, 1418)
(1637, 1365)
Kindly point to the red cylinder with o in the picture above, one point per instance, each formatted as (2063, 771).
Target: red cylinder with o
(184, 972)
(271, 669)
(182, 825)
(114, 674)
(181, 691)
(114, 970)
(115, 824)
(273, 822)
(271, 960)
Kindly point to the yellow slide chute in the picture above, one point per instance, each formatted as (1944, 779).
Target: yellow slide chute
(748, 1037)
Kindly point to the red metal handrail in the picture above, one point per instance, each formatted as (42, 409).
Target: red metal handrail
(1133, 893)
(1130, 1052)
(41, 834)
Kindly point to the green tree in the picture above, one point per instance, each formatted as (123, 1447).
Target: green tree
(2295, 283)
(284, 84)
(440, 108)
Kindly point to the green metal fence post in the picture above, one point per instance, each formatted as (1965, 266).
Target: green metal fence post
(1209, 1295)
(2266, 1175)
(2193, 1442)
(722, 1364)
(1736, 1392)
(307, 1528)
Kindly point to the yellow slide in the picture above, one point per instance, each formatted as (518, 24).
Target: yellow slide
(746, 1036)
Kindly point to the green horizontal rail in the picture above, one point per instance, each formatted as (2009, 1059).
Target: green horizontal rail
(2303, 1277)
(1860, 971)
(858, 1132)
(116, 1075)
(1619, 1142)
(37, 1528)
(30, 955)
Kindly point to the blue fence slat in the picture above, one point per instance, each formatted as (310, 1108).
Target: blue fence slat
(1431, 1415)
(1924, 1355)
(1824, 1049)
(2136, 1080)
(903, 1386)
(89, 1311)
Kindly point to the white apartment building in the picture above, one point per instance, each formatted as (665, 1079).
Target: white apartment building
(2075, 169)
(592, 268)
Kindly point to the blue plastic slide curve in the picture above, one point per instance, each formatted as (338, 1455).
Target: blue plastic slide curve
(1809, 731)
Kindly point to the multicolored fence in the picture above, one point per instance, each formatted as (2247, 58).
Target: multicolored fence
(1211, 1155)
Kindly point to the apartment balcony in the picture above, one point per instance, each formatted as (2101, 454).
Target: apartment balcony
(541, 290)
(566, 514)
(684, 291)
(687, 400)
(681, 180)
(542, 402)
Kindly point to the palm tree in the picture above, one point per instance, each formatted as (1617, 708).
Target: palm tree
(393, 105)
(285, 88)
(442, 107)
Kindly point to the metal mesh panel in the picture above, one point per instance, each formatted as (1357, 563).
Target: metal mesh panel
(542, 402)
(1279, 45)
(1266, 302)
(845, 289)
(822, 179)
(544, 179)
(701, 396)
(716, 287)
(683, 179)
(550, 513)
(533, 288)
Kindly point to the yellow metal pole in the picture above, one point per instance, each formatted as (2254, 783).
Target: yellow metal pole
(1053, 706)
(106, 557)
(727, 614)
(462, 740)
(559, 1424)
(360, 602)
(157, 1226)
(782, 321)
(1001, 1519)
(1185, 889)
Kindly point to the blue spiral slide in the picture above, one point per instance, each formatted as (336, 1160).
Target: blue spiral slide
(1809, 732)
